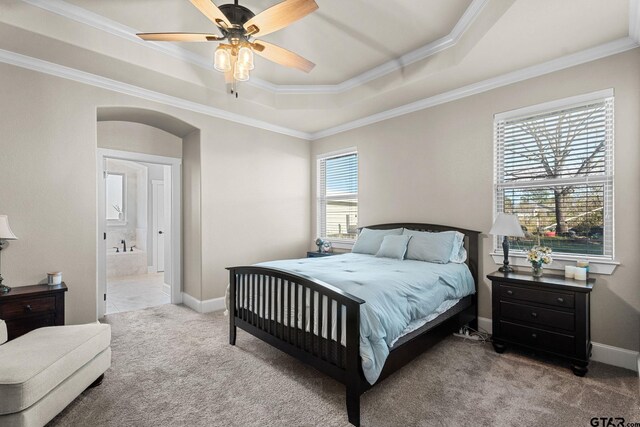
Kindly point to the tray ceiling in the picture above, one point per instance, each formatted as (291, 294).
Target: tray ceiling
(467, 47)
(344, 38)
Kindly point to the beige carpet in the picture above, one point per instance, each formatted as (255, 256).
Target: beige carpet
(174, 367)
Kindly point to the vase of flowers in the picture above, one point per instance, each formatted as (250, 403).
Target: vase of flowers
(538, 256)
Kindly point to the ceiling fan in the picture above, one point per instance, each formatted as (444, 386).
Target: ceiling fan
(240, 27)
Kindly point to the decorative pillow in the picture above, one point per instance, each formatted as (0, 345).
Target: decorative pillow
(430, 247)
(394, 247)
(3, 332)
(369, 240)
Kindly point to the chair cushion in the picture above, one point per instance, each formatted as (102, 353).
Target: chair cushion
(34, 364)
(3, 332)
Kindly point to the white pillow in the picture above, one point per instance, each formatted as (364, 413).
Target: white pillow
(430, 247)
(369, 240)
(458, 253)
(393, 247)
(3, 332)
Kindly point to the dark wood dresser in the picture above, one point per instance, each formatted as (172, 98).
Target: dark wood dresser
(26, 308)
(549, 314)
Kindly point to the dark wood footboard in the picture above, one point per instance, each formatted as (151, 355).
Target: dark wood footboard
(303, 317)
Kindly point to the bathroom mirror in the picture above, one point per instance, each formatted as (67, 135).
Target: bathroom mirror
(116, 206)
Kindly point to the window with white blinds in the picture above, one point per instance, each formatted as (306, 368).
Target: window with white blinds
(338, 197)
(554, 170)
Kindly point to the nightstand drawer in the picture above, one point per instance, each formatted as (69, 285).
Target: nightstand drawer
(545, 340)
(27, 307)
(20, 326)
(537, 315)
(558, 299)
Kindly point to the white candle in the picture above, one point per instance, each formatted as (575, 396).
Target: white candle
(569, 271)
(580, 273)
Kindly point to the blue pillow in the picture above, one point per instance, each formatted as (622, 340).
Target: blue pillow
(369, 240)
(430, 247)
(393, 247)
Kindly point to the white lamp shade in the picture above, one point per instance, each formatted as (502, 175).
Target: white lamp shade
(506, 225)
(241, 73)
(222, 60)
(5, 230)
(245, 57)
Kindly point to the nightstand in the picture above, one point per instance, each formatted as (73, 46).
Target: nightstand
(316, 254)
(548, 314)
(26, 308)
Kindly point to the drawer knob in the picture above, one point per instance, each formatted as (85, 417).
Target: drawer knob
(534, 314)
(560, 300)
(28, 307)
(534, 336)
(509, 292)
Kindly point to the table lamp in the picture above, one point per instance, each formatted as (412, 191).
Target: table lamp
(508, 226)
(5, 234)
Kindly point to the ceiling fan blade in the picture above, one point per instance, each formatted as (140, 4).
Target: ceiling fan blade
(279, 16)
(212, 12)
(179, 37)
(282, 56)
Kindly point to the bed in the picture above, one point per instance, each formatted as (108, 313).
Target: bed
(320, 324)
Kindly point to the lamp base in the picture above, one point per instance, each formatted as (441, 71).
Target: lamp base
(506, 269)
(4, 289)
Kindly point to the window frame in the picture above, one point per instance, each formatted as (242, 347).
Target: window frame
(321, 197)
(605, 263)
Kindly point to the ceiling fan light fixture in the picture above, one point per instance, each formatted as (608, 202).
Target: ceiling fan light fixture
(222, 60)
(245, 57)
(241, 72)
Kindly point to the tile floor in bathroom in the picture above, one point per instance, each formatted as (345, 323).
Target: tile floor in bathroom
(135, 292)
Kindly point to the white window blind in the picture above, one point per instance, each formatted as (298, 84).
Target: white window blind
(338, 197)
(555, 171)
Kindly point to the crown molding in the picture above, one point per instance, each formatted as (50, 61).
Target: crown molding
(634, 20)
(68, 73)
(598, 52)
(81, 15)
(419, 54)
(588, 55)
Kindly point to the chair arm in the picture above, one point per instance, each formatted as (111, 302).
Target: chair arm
(3, 332)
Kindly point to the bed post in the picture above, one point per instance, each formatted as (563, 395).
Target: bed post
(232, 306)
(353, 363)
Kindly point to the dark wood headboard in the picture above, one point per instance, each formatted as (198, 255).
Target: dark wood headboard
(471, 240)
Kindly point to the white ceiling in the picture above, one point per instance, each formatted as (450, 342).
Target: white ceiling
(374, 59)
(343, 38)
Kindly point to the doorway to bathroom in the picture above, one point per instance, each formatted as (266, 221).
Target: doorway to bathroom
(139, 232)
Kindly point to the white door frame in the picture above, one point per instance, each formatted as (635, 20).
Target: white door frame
(154, 230)
(173, 238)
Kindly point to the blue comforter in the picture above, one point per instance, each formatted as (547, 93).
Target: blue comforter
(396, 293)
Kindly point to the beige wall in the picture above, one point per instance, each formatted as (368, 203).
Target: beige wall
(436, 166)
(48, 187)
(139, 138)
(255, 201)
(191, 216)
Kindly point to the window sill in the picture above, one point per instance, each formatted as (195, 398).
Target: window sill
(596, 265)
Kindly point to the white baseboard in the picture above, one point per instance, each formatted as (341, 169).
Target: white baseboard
(604, 353)
(166, 289)
(206, 306)
(615, 356)
(485, 324)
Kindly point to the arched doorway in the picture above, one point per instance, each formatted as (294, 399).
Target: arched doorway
(163, 232)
